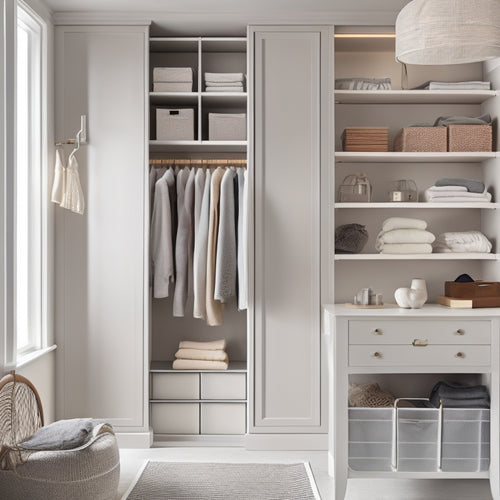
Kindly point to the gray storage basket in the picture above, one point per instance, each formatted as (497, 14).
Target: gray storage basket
(419, 439)
(175, 124)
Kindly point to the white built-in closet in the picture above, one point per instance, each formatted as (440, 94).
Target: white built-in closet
(116, 343)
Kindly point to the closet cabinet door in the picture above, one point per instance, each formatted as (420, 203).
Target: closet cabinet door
(100, 256)
(287, 167)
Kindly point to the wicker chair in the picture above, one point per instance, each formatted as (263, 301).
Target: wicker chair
(89, 472)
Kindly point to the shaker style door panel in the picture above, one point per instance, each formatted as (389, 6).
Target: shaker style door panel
(287, 157)
(100, 255)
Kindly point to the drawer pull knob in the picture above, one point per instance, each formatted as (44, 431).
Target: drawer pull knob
(377, 331)
(420, 343)
(377, 354)
(460, 355)
(459, 332)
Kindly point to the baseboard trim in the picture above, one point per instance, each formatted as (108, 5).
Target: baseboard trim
(186, 440)
(286, 442)
(134, 439)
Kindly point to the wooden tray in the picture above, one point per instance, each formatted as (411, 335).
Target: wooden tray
(361, 306)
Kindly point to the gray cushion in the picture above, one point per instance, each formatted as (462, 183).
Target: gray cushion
(61, 435)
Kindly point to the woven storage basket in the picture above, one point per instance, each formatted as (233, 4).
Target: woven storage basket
(470, 138)
(420, 139)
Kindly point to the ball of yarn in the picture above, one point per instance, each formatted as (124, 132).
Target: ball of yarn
(350, 238)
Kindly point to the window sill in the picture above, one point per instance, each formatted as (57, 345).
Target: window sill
(33, 356)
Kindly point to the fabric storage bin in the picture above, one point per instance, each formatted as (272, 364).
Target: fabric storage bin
(175, 124)
(421, 139)
(470, 138)
(465, 439)
(227, 127)
(172, 86)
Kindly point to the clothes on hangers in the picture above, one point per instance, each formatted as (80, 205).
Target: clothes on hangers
(204, 252)
(162, 252)
(200, 252)
(67, 190)
(73, 198)
(184, 240)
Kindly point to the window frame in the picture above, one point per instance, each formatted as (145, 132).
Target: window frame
(37, 302)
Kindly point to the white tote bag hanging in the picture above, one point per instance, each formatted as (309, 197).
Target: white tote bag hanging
(73, 194)
(59, 184)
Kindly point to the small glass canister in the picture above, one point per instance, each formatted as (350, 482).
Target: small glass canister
(355, 188)
(403, 190)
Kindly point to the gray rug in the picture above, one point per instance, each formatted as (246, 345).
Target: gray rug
(222, 481)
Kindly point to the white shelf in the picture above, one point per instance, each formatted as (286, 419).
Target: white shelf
(413, 96)
(173, 98)
(399, 157)
(199, 146)
(429, 310)
(425, 256)
(232, 99)
(418, 205)
(419, 475)
(166, 366)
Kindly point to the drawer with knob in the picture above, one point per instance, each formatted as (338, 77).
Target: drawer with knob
(428, 332)
(409, 355)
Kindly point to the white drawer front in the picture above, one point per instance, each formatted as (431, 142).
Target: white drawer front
(175, 386)
(435, 355)
(223, 418)
(223, 386)
(175, 418)
(434, 331)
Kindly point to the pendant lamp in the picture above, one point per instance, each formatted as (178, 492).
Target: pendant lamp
(448, 31)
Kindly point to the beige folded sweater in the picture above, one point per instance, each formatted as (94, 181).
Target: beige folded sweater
(213, 345)
(209, 355)
(199, 364)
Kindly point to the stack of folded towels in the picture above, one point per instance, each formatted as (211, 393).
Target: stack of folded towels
(172, 79)
(224, 82)
(462, 242)
(201, 355)
(450, 190)
(401, 235)
(459, 396)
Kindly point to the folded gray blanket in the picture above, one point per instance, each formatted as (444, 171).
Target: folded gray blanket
(472, 185)
(61, 435)
(463, 120)
(459, 396)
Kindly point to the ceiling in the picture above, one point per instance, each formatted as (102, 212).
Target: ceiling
(224, 17)
(225, 6)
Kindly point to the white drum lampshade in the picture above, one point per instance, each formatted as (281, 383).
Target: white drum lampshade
(448, 31)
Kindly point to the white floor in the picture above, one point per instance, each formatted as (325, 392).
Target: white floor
(358, 489)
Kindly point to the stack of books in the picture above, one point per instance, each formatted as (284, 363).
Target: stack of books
(470, 295)
(375, 139)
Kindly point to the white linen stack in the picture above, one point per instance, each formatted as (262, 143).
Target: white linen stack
(172, 79)
(210, 355)
(457, 190)
(401, 235)
(454, 194)
(224, 82)
(462, 242)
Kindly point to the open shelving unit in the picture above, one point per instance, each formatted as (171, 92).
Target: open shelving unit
(206, 406)
(378, 357)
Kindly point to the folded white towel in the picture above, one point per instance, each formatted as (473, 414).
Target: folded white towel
(224, 89)
(406, 248)
(403, 236)
(447, 188)
(451, 195)
(215, 355)
(199, 364)
(462, 242)
(213, 345)
(403, 223)
(224, 84)
(223, 77)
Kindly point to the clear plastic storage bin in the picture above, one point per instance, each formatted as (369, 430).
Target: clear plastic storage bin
(375, 444)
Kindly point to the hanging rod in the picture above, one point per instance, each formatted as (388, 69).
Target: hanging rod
(186, 161)
(81, 135)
